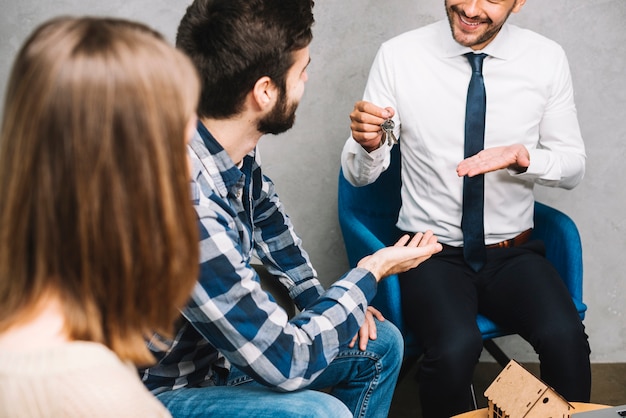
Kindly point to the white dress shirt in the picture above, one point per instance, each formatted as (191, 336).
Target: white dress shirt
(424, 76)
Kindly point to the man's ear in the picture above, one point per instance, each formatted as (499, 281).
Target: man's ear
(518, 5)
(264, 92)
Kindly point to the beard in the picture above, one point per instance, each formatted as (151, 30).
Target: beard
(281, 118)
(489, 33)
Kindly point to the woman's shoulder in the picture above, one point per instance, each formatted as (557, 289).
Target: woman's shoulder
(75, 379)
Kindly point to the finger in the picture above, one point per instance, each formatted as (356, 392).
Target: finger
(371, 109)
(404, 239)
(391, 112)
(365, 133)
(433, 240)
(367, 136)
(424, 252)
(353, 341)
(367, 332)
(428, 238)
(469, 166)
(363, 336)
(376, 313)
(433, 247)
(371, 324)
(415, 240)
(418, 237)
(365, 121)
(524, 159)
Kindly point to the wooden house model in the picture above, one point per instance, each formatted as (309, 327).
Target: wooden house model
(517, 393)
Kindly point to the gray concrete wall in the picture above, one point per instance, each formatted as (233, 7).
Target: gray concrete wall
(304, 162)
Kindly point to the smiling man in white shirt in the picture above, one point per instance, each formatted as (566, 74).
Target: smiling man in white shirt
(531, 136)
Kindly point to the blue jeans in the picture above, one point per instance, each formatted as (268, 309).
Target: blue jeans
(251, 401)
(359, 383)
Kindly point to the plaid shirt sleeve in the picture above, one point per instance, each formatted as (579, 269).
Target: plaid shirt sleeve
(231, 311)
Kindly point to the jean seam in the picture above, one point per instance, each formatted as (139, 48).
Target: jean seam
(374, 381)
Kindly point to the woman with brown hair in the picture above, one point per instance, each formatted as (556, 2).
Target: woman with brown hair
(98, 237)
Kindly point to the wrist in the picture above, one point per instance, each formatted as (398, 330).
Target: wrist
(372, 265)
(372, 148)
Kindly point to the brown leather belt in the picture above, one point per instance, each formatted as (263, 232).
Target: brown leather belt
(513, 242)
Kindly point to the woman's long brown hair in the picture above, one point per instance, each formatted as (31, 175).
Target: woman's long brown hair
(94, 183)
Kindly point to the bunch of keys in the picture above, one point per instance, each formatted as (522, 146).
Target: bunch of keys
(388, 135)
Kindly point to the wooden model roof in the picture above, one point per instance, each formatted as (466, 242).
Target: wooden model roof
(518, 393)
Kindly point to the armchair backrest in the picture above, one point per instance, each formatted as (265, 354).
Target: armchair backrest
(368, 216)
(374, 206)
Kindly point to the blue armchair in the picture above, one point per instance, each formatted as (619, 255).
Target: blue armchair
(368, 216)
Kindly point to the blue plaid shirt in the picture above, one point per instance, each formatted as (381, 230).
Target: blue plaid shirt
(229, 318)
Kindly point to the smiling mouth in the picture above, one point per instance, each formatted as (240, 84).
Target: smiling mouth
(469, 22)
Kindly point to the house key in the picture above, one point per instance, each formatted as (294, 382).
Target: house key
(388, 135)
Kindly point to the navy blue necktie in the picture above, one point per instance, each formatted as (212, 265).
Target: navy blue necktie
(472, 222)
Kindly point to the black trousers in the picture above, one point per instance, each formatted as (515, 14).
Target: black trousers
(520, 290)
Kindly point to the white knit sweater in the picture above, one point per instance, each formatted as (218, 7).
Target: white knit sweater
(76, 379)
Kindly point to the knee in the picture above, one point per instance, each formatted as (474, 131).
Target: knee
(390, 341)
(323, 405)
(552, 338)
(457, 354)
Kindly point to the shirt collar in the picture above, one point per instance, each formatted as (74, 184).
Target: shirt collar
(224, 170)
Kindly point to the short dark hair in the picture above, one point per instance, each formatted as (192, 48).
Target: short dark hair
(233, 43)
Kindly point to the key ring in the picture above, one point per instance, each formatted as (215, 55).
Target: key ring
(388, 135)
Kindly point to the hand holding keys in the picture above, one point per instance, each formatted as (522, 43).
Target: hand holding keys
(388, 135)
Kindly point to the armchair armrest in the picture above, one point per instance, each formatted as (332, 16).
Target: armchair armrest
(360, 242)
(563, 248)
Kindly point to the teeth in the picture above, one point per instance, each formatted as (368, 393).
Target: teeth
(469, 23)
